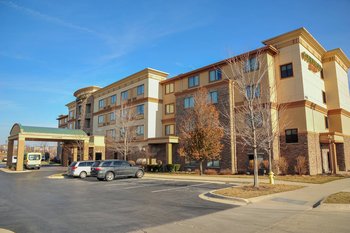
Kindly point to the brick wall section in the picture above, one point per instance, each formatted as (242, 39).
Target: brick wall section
(347, 152)
(314, 149)
(340, 156)
(222, 106)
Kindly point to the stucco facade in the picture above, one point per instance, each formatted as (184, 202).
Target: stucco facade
(315, 96)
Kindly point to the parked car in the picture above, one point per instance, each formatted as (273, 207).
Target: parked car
(4, 159)
(110, 169)
(80, 169)
(14, 159)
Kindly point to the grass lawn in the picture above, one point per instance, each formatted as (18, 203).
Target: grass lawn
(249, 191)
(338, 198)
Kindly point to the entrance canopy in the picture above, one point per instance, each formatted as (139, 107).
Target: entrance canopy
(35, 133)
(21, 133)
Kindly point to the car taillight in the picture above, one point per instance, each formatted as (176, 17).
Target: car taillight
(98, 169)
(73, 168)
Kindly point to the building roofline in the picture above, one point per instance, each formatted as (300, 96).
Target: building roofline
(62, 116)
(300, 32)
(70, 103)
(90, 89)
(340, 54)
(268, 48)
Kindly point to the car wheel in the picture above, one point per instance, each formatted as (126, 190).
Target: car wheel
(109, 176)
(100, 179)
(139, 174)
(82, 175)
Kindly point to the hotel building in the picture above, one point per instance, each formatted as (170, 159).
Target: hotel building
(312, 85)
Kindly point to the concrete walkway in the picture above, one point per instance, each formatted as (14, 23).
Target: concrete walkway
(286, 212)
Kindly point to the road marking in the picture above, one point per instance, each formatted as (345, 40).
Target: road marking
(169, 189)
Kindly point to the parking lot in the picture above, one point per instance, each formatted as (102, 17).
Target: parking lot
(31, 202)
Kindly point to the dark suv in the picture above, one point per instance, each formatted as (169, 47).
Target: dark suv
(110, 169)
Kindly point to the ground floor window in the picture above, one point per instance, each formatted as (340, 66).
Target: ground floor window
(213, 163)
(291, 135)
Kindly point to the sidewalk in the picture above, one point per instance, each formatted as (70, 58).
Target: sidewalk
(286, 212)
(216, 179)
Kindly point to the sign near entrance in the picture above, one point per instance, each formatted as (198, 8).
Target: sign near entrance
(313, 65)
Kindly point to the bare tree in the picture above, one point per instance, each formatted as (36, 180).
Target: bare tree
(200, 131)
(125, 130)
(249, 72)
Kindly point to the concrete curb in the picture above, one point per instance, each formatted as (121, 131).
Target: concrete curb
(211, 196)
(2, 230)
(191, 180)
(13, 172)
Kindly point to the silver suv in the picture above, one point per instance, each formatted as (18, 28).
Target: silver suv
(110, 169)
(80, 168)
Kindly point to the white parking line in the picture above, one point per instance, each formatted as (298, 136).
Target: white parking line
(169, 189)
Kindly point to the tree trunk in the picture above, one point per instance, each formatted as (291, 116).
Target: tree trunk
(200, 167)
(270, 158)
(256, 179)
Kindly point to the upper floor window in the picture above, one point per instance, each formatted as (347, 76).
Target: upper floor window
(286, 70)
(71, 115)
(189, 102)
(169, 88)
(87, 123)
(252, 91)
(139, 130)
(88, 108)
(170, 129)
(110, 133)
(322, 74)
(169, 108)
(214, 75)
(113, 99)
(124, 95)
(78, 124)
(193, 81)
(326, 122)
(324, 97)
(140, 109)
(213, 97)
(291, 135)
(112, 116)
(101, 119)
(79, 110)
(140, 89)
(251, 64)
(101, 103)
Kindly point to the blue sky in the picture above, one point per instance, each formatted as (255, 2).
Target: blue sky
(49, 49)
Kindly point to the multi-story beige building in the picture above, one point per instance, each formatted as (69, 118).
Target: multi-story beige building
(312, 84)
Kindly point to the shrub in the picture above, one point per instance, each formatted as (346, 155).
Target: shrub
(196, 171)
(132, 162)
(225, 172)
(170, 167)
(301, 166)
(211, 172)
(177, 167)
(283, 165)
(154, 168)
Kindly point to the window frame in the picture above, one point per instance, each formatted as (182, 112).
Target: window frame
(190, 102)
(101, 117)
(138, 107)
(142, 87)
(110, 116)
(124, 95)
(248, 65)
(101, 103)
(194, 80)
(138, 131)
(324, 97)
(210, 97)
(293, 137)
(218, 75)
(169, 126)
(288, 74)
(113, 97)
(326, 122)
(169, 90)
(166, 108)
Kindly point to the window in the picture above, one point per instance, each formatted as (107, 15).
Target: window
(110, 133)
(101, 119)
(251, 64)
(169, 88)
(88, 108)
(251, 89)
(141, 89)
(193, 81)
(79, 110)
(122, 131)
(213, 97)
(71, 115)
(169, 108)
(124, 95)
(214, 75)
(291, 135)
(101, 103)
(139, 130)
(113, 99)
(78, 124)
(257, 119)
(87, 123)
(321, 73)
(286, 70)
(169, 129)
(213, 163)
(124, 112)
(326, 122)
(189, 102)
(140, 109)
(324, 97)
(112, 116)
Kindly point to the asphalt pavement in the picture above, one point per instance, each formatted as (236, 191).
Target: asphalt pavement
(30, 202)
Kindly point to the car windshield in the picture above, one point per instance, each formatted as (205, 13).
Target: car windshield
(73, 164)
(34, 157)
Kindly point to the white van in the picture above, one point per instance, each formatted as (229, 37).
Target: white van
(32, 160)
